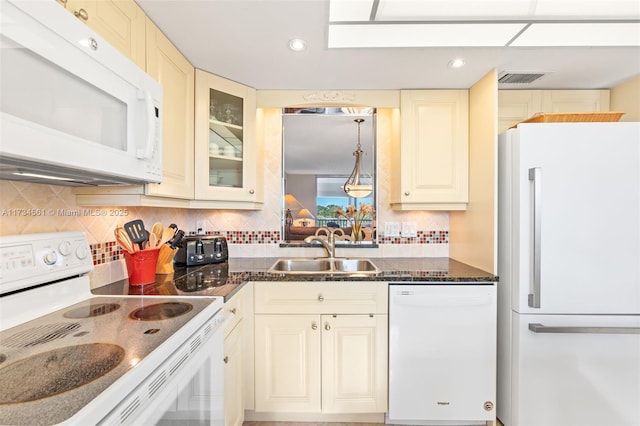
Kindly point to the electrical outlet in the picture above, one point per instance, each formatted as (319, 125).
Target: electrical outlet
(201, 227)
(391, 229)
(409, 229)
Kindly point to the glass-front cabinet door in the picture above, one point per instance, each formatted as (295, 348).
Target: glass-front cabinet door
(225, 143)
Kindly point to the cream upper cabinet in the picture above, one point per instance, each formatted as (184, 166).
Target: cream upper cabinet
(176, 75)
(226, 174)
(431, 161)
(314, 354)
(515, 106)
(120, 22)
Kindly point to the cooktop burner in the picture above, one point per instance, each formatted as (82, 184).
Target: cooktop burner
(58, 370)
(161, 311)
(93, 310)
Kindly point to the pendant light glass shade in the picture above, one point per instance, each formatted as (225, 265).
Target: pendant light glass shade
(358, 185)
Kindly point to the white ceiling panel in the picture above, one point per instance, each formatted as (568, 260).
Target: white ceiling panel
(350, 10)
(585, 34)
(588, 9)
(426, 10)
(421, 35)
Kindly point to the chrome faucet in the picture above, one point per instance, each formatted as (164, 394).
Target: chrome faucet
(329, 243)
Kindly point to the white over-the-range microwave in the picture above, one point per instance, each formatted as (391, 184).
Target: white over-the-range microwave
(73, 110)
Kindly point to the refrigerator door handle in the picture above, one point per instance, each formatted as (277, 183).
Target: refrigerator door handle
(539, 328)
(535, 175)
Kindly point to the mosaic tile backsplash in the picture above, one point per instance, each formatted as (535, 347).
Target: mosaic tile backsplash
(110, 251)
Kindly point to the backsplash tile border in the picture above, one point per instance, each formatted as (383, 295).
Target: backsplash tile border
(105, 252)
(110, 251)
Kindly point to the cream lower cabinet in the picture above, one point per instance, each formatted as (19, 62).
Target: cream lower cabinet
(238, 356)
(354, 363)
(331, 359)
(233, 397)
(431, 163)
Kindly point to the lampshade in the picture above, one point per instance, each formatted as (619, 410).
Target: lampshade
(291, 203)
(305, 214)
(358, 185)
(304, 217)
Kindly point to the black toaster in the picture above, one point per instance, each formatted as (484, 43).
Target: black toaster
(201, 250)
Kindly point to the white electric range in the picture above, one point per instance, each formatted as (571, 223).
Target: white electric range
(69, 357)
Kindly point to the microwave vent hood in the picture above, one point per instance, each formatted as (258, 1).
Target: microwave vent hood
(74, 110)
(35, 172)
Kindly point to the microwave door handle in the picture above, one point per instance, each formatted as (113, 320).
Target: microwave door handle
(147, 151)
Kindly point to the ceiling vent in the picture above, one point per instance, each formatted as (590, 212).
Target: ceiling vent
(518, 78)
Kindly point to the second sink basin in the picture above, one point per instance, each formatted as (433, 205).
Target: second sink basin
(355, 265)
(323, 266)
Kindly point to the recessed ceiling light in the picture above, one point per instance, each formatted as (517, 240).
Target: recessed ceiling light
(457, 63)
(297, 44)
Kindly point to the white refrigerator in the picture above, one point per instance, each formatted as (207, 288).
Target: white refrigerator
(569, 269)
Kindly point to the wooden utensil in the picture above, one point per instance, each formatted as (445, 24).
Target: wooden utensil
(157, 229)
(136, 232)
(123, 239)
(153, 240)
(166, 235)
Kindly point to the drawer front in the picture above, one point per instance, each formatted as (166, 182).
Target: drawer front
(340, 297)
(233, 311)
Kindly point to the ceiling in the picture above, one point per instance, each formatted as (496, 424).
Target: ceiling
(323, 143)
(247, 41)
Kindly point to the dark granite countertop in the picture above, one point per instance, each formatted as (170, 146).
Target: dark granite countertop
(225, 279)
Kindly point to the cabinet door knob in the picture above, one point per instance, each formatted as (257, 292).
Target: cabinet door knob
(406, 193)
(251, 191)
(233, 311)
(82, 14)
(226, 359)
(314, 326)
(320, 298)
(327, 326)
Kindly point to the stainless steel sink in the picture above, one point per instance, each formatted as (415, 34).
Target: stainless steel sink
(301, 265)
(306, 266)
(355, 265)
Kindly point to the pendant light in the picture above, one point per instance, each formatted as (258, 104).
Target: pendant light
(353, 186)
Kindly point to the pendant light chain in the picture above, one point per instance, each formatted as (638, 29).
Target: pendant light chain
(352, 186)
(359, 120)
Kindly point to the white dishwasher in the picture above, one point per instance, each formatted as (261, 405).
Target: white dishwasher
(442, 353)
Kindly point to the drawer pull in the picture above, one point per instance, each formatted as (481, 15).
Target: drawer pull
(226, 359)
(233, 311)
(82, 14)
(320, 298)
